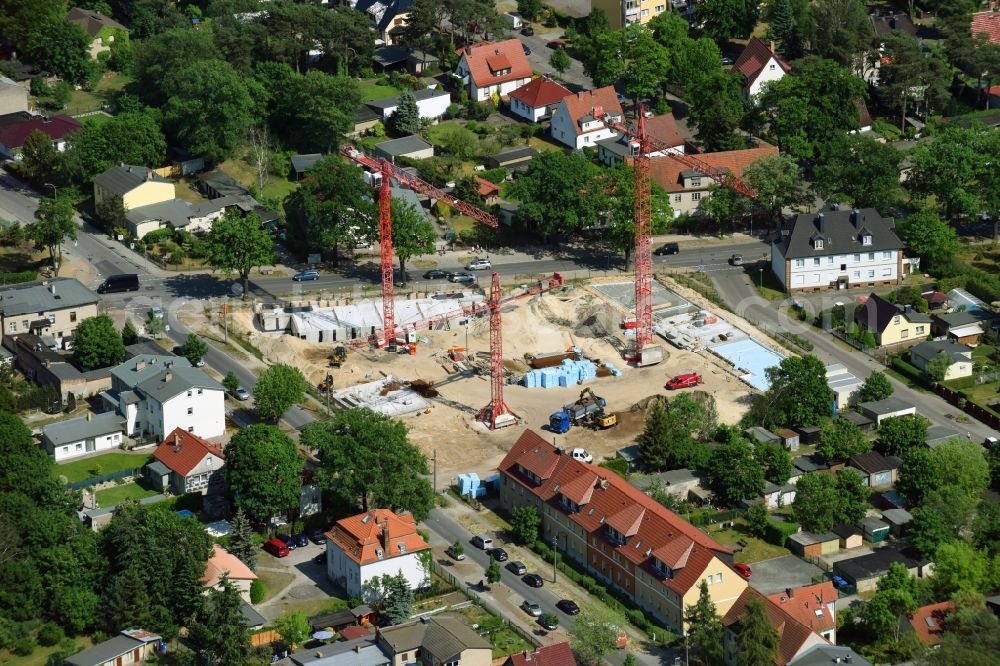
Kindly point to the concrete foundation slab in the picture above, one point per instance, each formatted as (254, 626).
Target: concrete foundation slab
(623, 294)
(394, 403)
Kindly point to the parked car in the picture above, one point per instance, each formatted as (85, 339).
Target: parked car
(301, 540)
(743, 570)
(685, 380)
(317, 536)
(668, 248)
(726, 60)
(567, 606)
(305, 276)
(531, 608)
(533, 580)
(736, 260)
(242, 394)
(435, 274)
(288, 540)
(320, 559)
(549, 621)
(556, 44)
(528, 31)
(464, 278)
(479, 265)
(581, 455)
(156, 312)
(455, 554)
(517, 568)
(483, 541)
(524, 46)
(276, 547)
(499, 554)
(839, 582)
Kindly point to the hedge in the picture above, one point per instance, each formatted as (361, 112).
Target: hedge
(257, 592)
(908, 371)
(777, 533)
(616, 465)
(18, 277)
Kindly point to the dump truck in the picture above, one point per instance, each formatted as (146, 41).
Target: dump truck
(588, 410)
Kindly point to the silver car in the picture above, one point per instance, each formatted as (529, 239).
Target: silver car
(532, 608)
(479, 265)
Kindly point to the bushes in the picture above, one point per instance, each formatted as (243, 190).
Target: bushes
(908, 371)
(257, 592)
(23, 647)
(20, 276)
(50, 634)
(777, 533)
(616, 465)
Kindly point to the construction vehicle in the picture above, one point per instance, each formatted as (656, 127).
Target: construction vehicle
(588, 410)
(339, 357)
(685, 380)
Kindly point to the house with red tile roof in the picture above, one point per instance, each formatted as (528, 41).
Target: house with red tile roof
(557, 654)
(813, 606)
(662, 130)
(493, 68)
(580, 119)
(186, 463)
(13, 135)
(490, 192)
(759, 64)
(537, 99)
(688, 187)
(223, 563)
(927, 622)
(794, 637)
(369, 545)
(987, 23)
(617, 533)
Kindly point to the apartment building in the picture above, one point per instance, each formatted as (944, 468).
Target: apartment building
(622, 13)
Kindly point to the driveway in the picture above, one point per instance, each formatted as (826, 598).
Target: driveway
(309, 580)
(776, 574)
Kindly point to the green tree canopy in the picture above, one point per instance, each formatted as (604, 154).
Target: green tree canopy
(278, 388)
(412, 233)
(816, 502)
(39, 158)
(705, 632)
(898, 435)
(756, 638)
(97, 344)
(775, 461)
(221, 635)
(875, 387)
(551, 192)
(728, 19)
(861, 171)
(406, 118)
(929, 236)
(909, 73)
(947, 514)
(294, 629)
(676, 432)
(61, 47)
(841, 440)
(560, 61)
(843, 33)
(54, 223)
(798, 395)
(524, 524)
(131, 138)
(716, 109)
(735, 473)
(241, 541)
(130, 335)
(263, 470)
(948, 168)
(777, 180)
(594, 633)
(238, 244)
(194, 349)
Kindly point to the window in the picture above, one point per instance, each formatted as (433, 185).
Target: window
(190, 410)
(645, 13)
(200, 391)
(659, 8)
(615, 536)
(920, 330)
(818, 244)
(829, 260)
(857, 257)
(189, 393)
(25, 324)
(815, 261)
(696, 182)
(871, 274)
(866, 239)
(586, 139)
(13, 327)
(72, 316)
(696, 196)
(799, 263)
(190, 428)
(886, 272)
(887, 255)
(857, 274)
(771, 66)
(379, 553)
(79, 446)
(677, 198)
(871, 256)
(718, 578)
(708, 580)
(895, 320)
(905, 333)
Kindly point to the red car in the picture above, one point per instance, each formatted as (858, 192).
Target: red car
(556, 44)
(743, 570)
(686, 380)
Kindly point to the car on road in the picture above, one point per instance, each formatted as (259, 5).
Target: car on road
(839, 582)
(288, 540)
(305, 276)
(436, 274)
(581, 455)
(301, 540)
(458, 555)
(524, 46)
(743, 569)
(556, 44)
(736, 260)
(479, 265)
(669, 248)
(517, 568)
(320, 559)
(316, 535)
(156, 312)
(499, 554)
(242, 394)
(533, 580)
(568, 606)
(464, 278)
(528, 31)
(532, 608)
(684, 380)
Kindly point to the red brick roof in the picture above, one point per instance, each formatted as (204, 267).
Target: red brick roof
(613, 501)
(808, 605)
(540, 92)
(221, 563)
(667, 170)
(987, 22)
(361, 537)
(928, 621)
(592, 103)
(13, 135)
(864, 117)
(557, 654)
(484, 59)
(486, 188)
(757, 54)
(664, 129)
(792, 634)
(354, 631)
(182, 451)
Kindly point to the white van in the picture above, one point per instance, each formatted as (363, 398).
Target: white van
(482, 541)
(514, 20)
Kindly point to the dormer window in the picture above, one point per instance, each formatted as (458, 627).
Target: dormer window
(401, 546)
(379, 553)
(662, 569)
(568, 504)
(866, 239)
(696, 182)
(615, 536)
(818, 244)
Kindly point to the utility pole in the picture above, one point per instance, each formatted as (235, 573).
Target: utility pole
(434, 459)
(225, 321)
(555, 555)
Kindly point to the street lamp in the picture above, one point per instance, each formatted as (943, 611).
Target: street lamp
(55, 192)
(761, 269)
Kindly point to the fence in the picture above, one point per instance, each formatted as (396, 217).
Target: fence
(265, 637)
(110, 476)
(973, 409)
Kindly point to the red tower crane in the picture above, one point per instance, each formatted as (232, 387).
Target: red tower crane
(641, 146)
(385, 171)
(491, 415)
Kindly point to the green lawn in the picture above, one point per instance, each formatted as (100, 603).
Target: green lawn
(756, 549)
(983, 351)
(40, 654)
(370, 90)
(84, 101)
(79, 470)
(114, 496)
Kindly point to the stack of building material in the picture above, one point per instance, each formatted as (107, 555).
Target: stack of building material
(567, 373)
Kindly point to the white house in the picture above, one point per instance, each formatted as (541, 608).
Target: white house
(157, 394)
(372, 544)
(489, 68)
(960, 357)
(86, 434)
(185, 463)
(432, 104)
(837, 249)
(843, 383)
(581, 120)
(759, 65)
(537, 99)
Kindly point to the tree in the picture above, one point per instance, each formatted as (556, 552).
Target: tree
(798, 395)
(775, 461)
(959, 567)
(947, 169)
(898, 435)
(861, 171)
(241, 542)
(620, 180)
(54, 223)
(669, 441)
(263, 470)
(524, 524)
(391, 595)
(412, 233)
(493, 571)
(529, 9)
(816, 502)
(734, 472)
(937, 368)
(918, 476)
(550, 192)
(231, 382)
(894, 597)
(777, 180)
(367, 458)
(560, 61)
(907, 72)
(724, 205)
(852, 495)
(705, 633)
(322, 110)
(843, 33)
(716, 108)
(728, 19)
(406, 119)
(961, 463)
(130, 335)
(278, 388)
(929, 236)
(238, 244)
(261, 153)
(97, 344)
(221, 635)
(946, 515)
(39, 158)
(842, 440)
(294, 629)
(132, 137)
(757, 519)
(972, 639)
(756, 639)
(61, 47)
(875, 387)
(594, 633)
(194, 349)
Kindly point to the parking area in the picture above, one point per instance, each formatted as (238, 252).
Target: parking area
(776, 574)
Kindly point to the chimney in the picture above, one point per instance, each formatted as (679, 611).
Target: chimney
(385, 537)
(149, 174)
(822, 223)
(468, 50)
(892, 22)
(789, 592)
(140, 365)
(855, 217)
(90, 416)
(52, 288)
(772, 46)
(177, 443)
(167, 376)
(357, 648)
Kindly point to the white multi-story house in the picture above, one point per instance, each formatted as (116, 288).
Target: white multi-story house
(157, 394)
(370, 545)
(537, 99)
(489, 68)
(186, 463)
(581, 120)
(759, 65)
(837, 249)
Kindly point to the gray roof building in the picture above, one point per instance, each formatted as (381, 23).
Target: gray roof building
(937, 434)
(890, 405)
(824, 655)
(302, 163)
(404, 146)
(119, 646)
(897, 517)
(82, 427)
(443, 638)
(36, 297)
(172, 381)
(218, 183)
(359, 652)
(931, 348)
(842, 232)
(512, 157)
(139, 368)
(175, 212)
(124, 178)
